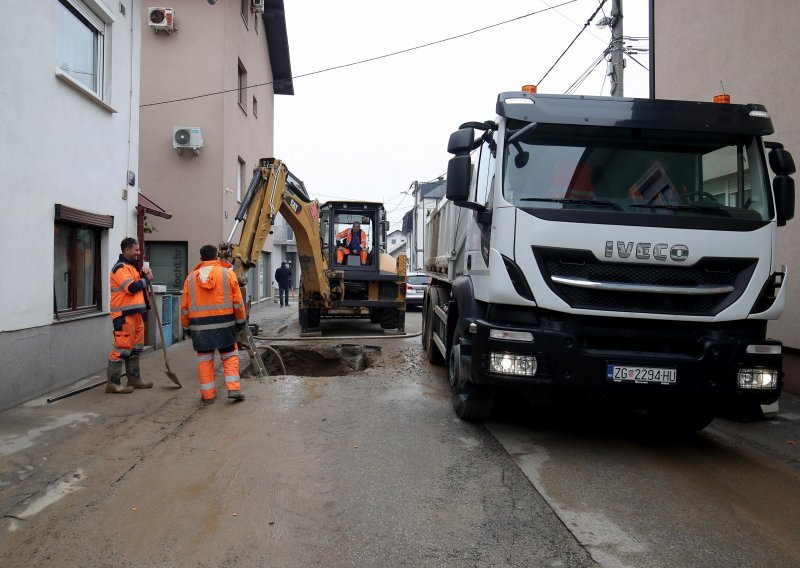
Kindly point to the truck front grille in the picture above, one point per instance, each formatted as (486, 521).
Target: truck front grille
(582, 265)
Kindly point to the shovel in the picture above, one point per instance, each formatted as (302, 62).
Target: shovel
(172, 376)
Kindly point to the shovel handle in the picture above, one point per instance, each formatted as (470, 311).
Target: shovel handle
(158, 321)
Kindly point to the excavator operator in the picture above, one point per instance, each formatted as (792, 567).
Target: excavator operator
(352, 241)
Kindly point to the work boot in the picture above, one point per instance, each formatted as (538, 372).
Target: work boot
(114, 373)
(207, 401)
(134, 375)
(236, 395)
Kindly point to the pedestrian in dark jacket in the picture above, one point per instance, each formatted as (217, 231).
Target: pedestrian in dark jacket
(283, 276)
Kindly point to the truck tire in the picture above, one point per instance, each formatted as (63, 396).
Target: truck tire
(433, 355)
(390, 319)
(471, 402)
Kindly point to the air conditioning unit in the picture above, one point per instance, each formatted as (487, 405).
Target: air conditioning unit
(187, 137)
(162, 19)
(258, 6)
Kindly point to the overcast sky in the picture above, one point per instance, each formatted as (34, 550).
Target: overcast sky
(368, 131)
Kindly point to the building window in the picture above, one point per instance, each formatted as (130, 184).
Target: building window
(242, 86)
(76, 270)
(80, 45)
(255, 107)
(393, 241)
(240, 180)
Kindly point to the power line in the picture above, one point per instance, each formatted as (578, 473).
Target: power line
(585, 75)
(392, 54)
(638, 63)
(589, 21)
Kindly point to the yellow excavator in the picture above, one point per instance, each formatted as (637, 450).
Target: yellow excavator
(334, 281)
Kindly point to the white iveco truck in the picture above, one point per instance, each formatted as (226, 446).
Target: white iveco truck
(610, 248)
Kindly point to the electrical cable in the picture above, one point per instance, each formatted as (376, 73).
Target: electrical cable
(589, 21)
(363, 60)
(585, 75)
(638, 63)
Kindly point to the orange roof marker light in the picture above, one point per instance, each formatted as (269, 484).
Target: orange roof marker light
(722, 99)
(529, 89)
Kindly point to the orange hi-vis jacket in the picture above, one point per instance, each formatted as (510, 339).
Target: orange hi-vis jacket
(346, 235)
(127, 289)
(212, 308)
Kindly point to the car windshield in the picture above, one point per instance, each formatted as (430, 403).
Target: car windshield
(420, 280)
(637, 172)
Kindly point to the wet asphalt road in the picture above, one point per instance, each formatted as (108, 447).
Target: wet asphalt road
(373, 469)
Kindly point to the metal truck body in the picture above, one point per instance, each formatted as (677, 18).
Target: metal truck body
(610, 248)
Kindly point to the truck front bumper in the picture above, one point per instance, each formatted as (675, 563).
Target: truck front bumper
(721, 362)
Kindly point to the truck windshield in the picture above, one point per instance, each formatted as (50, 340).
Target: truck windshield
(638, 173)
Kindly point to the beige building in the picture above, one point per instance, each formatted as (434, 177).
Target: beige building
(214, 77)
(751, 48)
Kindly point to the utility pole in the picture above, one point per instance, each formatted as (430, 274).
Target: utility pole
(617, 60)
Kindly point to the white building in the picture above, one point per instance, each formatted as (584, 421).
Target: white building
(68, 161)
(396, 243)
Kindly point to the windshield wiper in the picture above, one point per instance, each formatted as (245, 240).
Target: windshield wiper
(576, 201)
(684, 207)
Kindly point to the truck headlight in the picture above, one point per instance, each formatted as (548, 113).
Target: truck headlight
(508, 364)
(758, 378)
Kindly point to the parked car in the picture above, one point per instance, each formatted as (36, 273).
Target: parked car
(416, 284)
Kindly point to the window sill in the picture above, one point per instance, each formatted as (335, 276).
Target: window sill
(82, 316)
(62, 76)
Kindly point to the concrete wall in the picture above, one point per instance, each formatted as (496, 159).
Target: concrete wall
(200, 58)
(753, 51)
(59, 145)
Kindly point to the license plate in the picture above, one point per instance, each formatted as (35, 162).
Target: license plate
(641, 375)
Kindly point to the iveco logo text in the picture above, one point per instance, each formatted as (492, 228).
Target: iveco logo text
(645, 251)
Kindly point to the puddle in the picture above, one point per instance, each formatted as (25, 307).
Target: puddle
(16, 442)
(54, 492)
(322, 360)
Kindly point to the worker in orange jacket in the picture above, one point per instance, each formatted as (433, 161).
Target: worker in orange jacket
(212, 312)
(353, 241)
(128, 303)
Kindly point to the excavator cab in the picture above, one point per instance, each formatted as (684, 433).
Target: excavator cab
(353, 235)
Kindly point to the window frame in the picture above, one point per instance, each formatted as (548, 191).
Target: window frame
(98, 20)
(73, 311)
(242, 86)
(240, 181)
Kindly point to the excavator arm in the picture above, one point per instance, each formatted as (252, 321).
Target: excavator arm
(272, 191)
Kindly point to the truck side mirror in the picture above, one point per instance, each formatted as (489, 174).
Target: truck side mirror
(783, 188)
(458, 174)
(461, 141)
(780, 160)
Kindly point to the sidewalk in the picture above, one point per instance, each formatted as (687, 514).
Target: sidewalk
(47, 449)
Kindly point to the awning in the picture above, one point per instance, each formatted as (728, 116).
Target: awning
(150, 207)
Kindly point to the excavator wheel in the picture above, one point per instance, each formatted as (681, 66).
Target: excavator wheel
(390, 318)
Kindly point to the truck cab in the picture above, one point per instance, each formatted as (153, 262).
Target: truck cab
(610, 248)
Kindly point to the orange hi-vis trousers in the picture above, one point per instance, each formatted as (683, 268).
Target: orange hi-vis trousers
(128, 337)
(205, 370)
(341, 252)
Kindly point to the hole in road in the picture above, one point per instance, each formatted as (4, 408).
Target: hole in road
(321, 360)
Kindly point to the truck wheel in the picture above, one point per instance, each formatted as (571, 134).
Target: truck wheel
(390, 319)
(431, 349)
(471, 402)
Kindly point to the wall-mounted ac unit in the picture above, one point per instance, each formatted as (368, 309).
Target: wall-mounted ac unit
(258, 6)
(162, 19)
(187, 137)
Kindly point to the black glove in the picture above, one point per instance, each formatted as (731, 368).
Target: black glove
(187, 332)
(240, 326)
